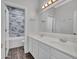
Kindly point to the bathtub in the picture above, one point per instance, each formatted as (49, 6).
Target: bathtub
(16, 42)
(65, 43)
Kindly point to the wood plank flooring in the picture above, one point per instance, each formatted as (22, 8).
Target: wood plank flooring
(18, 53)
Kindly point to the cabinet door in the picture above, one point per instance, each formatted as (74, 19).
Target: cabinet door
(35, 49)
(59, 55)
(52, 53)
(44, 51)
(30, 46)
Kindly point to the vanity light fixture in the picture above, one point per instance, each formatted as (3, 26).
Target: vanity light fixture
(48, 3)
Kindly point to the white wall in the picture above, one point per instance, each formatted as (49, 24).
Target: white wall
(32, 7)
(64, 17)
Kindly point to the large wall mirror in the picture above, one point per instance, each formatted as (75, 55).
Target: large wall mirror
(62, 19)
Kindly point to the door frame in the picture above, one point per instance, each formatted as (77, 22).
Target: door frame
(7, 3)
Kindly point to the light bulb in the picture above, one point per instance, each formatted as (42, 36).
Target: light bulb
(49, 2)
(53, 0)
(43, 7)
(46, 5)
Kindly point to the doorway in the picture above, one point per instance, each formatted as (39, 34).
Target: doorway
(15, 26)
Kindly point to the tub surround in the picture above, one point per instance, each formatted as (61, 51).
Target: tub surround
(67, 47)
(16, 21)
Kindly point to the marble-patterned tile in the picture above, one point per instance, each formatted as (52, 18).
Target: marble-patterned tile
(16, 21)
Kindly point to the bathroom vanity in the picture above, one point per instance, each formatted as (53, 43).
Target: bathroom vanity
(48, 47)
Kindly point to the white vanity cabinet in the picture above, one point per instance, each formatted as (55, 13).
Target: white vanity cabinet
(44, 51)
(40, 50)
(33, 47)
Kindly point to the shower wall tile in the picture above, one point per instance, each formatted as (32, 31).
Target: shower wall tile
(16, 22)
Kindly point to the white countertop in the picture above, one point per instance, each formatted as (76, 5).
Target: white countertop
(68, 47)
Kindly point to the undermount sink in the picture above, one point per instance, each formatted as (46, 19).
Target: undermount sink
(41, 35)
(63, 40)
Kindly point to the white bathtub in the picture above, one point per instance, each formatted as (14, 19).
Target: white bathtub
(16, 42)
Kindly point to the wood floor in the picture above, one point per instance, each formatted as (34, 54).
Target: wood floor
(18, 53)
